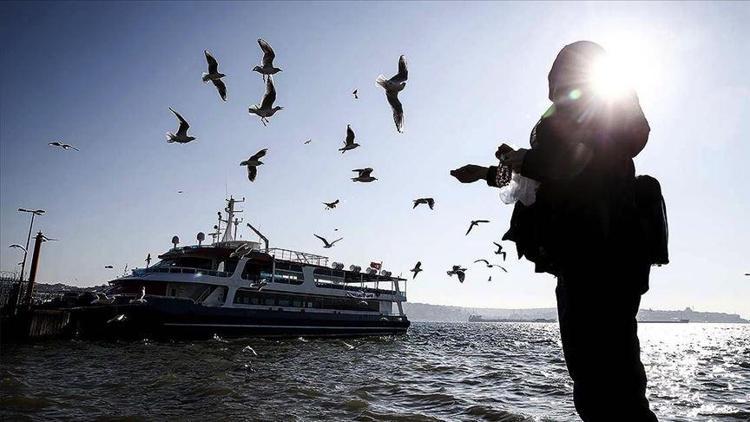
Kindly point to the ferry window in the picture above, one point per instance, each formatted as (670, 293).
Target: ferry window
(269, 301)
(283, 302)
(254, 301)
(297, 303)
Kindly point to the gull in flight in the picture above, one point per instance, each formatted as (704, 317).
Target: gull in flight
(458, 272)
(17, 246)
(308, 141)
(109, 267)
(349, 141)
(214, 76)
(266, 108)
(331, 205)
(252, 164)
(392, 87)
(429, 201)
(181, 137)
(475, 223)
(327, 245)
(266, 68)
(364, 175)
(62, 145)
(356, 97)
(499, 250)
(417, 269)
(487, 263)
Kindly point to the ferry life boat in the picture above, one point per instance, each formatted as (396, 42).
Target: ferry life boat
(242, 288)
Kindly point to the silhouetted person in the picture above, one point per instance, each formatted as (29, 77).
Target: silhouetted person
(585, 229)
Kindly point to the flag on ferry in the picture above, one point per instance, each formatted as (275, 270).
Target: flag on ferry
(376, 265)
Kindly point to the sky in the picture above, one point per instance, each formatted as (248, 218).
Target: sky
(101, 76)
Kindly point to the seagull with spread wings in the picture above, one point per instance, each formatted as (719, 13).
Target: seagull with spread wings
(416, 270)
(266, 69)
(429, 201)
(356, 97)
(181, 137)
(392, 87)
(349, 140)
(62, 145)
(17, 246)
(266, 108)
(252, 164)
(499, 250)
(364, 175)
(331, 205)
(487, 263)
(327, 244)
(214, 76)
(475, 223)
(458, 272)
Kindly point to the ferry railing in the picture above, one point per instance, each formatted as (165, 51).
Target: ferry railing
(182, 270)
(296, 256)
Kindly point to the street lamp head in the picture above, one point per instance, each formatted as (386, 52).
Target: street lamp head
(35, 212)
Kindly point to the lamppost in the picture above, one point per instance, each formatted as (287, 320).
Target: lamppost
(34, 213)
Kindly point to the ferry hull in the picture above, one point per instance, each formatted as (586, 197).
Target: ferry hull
(167, 318)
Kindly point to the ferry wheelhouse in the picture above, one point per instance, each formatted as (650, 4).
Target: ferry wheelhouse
(236, 288)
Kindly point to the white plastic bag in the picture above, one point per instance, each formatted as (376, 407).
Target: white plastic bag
(519, 189)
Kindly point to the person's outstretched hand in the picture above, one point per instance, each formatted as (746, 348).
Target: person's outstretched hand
(470, 173)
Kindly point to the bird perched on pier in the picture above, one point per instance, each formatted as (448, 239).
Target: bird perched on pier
(416, 270)
(266, 68)
(392, 87)
(499, 250)
(364, 175)
(327, 244)
(252, 164)
(349, 140)
(458, 272)
(429, 201)
(214, 76)
(475, 223)
(62, 145)
(181, 137)
(331, 205)
(266, 108)
(356, 97)
(17, 246)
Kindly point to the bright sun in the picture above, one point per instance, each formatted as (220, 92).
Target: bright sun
(629, 64)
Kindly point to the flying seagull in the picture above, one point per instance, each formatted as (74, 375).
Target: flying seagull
(179, 192)
(109, 267)
(62, 145)
(349, 141)
(327, 245)
(487, 263)
(490, 278)
(16, 245)
(364, 175)
(429, 201)
(148, 260)
(214, 76)
(392, 87)
(266, 67)
(475, 223)
(499, 250)
(181, 137)
(266, 108)
(417, 269)
(356, 97)
(252, 164)
(331, 205)
(308, 141)
(458, 271)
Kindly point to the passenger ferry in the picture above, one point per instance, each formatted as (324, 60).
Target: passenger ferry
(242, 288)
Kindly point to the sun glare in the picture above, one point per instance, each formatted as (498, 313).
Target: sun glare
(630, 63)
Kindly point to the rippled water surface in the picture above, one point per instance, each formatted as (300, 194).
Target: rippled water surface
(438, 371)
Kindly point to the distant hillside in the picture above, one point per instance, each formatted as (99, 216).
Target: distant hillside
(427, 312)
